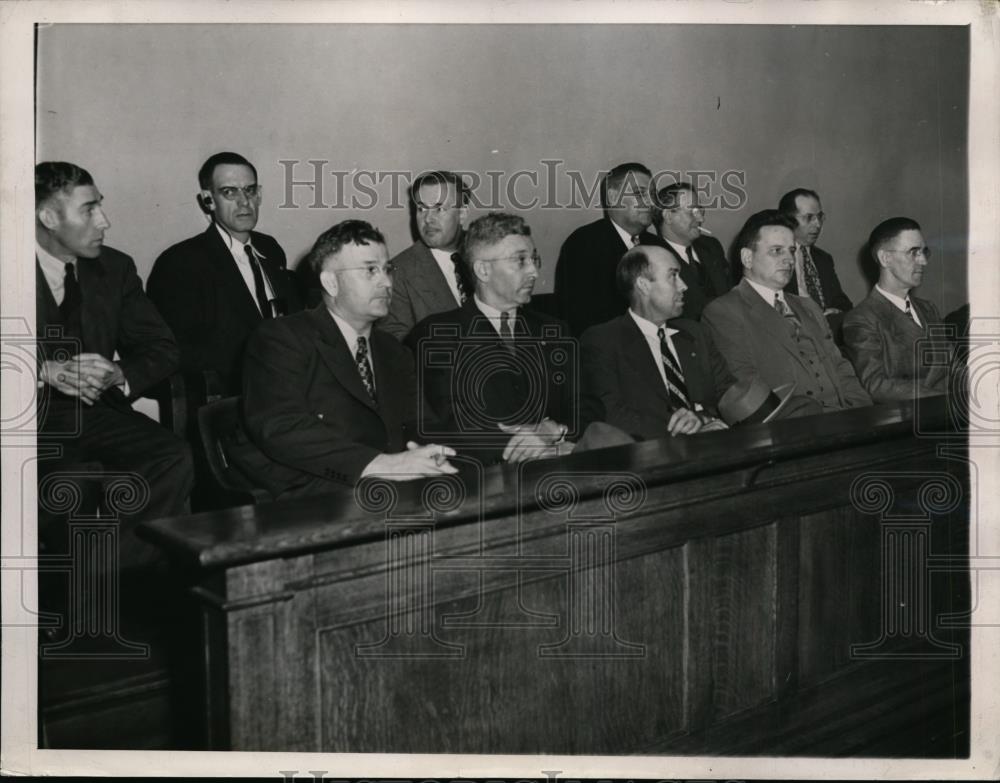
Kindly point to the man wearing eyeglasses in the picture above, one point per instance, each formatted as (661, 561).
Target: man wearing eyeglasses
(430, 276)
(214, 288)
(815, 275)
(881, 333)
(499, 376)
(585, 288)
(679, 221)
(328, 399)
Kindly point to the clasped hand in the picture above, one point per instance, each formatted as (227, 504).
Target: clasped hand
(534, 441)
(416, 462)
(86, 375)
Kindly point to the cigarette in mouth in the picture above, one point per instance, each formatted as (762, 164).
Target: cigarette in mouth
(705, 231)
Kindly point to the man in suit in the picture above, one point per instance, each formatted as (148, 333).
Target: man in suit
(214, 288)
(585, 288)
(678, 220)
(763, 331)
(430, 277)
(90, 305)
(499, 376)
(815, 275)
(650, 372)
(881, 333)
(328, 399)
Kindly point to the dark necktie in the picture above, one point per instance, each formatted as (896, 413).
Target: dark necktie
(635, 240)
(364, 367)
(813, 288)
(506, 333)
(695, 266)
(258, 282)
(71, 292)
(911, 313)
(463, 292)
(786, 312)
(676, 389)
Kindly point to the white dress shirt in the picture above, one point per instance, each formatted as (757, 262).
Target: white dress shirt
(494, 315)
(243, 264)
(351, 338)
(54, 272)
(900, 302)
(682, 251)
(767, 294)
(649, 331)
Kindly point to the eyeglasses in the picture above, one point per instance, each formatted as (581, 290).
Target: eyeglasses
(819, 217)
(915, 252)
(232, 192)
(371, 271)
(692, 208)
(521, 259)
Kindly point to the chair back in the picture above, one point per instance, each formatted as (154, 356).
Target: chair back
(218, 423)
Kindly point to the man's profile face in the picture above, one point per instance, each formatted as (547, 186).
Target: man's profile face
(666, 289)
(772, 259)
(234, 210)
(905, 258)
(683, 219)
(630, 206)
(76, 221)
(440, 217)
(508, 270)
(809, 215)
(362, 286)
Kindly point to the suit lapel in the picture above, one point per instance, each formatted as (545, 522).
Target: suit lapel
(429, 281)
(769, 319)
(226, 268)
(897, 320)
(96, 315)
(338, 357)
(635, 351)
(685, 347)
(45, 303)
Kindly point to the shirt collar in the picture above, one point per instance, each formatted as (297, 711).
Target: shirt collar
(491, 312)
(235, 246)
(899, 301)
(350, 335)
(45, 258)
(647, 327)
(625, 235)
(767, 294)
(681, 249)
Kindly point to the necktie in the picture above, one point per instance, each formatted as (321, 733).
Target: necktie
(71, 292)
(635, 240)
(364, 367)
(910, 312)
(786, 312)
(699, 271)
(676, 389)
(506, 333)
(813, 287)
(258, 282)
(463, 292)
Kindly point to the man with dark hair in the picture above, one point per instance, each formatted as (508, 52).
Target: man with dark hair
(89, 305)
(814, 275)
(430, 276)
(585, 272)
(499, 376)
(881, 334)
(678, 220)
(214, 288)
(763, 331)
(650, 372)
(327, 399)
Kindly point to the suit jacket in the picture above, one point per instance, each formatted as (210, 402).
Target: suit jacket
(880, 340)
(829, 283)
(585, 287)
(472, 381)
(199, 290)
(115, 315)
(419, 289)
(306, 410)
(755, 341)
(622, 384)
(717, 278)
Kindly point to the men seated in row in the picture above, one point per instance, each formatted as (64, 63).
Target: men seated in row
(89, 304)
(815, 275)
(763, 331)
(327, 399)
(644, 372)
(499, 376)
(881, 334)
(214, 288)
(430, 276)
(585, 288)
(678, 219)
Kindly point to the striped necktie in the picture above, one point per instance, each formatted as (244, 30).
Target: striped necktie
(364, 367)
(912, 313)
(786, 312)
(813, 288)
(676, 389)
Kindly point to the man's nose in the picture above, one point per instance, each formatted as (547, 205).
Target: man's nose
(102, 221)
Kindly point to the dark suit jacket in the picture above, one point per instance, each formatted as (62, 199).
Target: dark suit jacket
(622, 385)
(755, 341)
(833, 294)
(418, 290)
(115, 315)
(717, 278)
(880, 340)
(472, 382)
(307, 411)
(199, 290)
(585, 287)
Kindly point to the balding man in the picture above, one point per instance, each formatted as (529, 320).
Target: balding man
(883, 333)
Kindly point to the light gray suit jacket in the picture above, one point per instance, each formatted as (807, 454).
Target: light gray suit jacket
(419, 289)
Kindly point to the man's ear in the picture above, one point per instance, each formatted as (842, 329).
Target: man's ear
(481, 269)
(642, 284)
(206, 202)
(882, 258)
(746, 257)
(328, 281)
(463, 216)
(48, 217)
